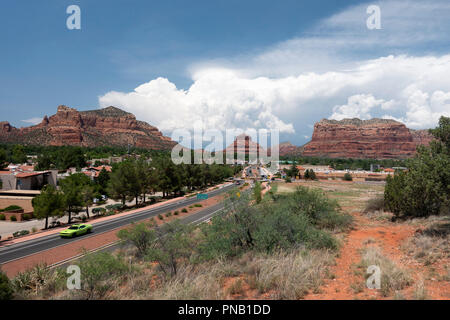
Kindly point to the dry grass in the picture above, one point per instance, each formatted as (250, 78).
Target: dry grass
(420, 292)
(392, 277)
(430, 245)
(289, 275)
(276, 276)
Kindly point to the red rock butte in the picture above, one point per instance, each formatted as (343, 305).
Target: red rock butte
(364, 139)
(243, 144)
(109, 126)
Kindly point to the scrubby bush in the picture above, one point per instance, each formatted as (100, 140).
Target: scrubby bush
(172, 244)
(374, 204)
(13, 218)
(160, 217)
(176, 213)
(99, 271)
(348, 177)
(26, 217)
(184, 210)
(423, 189)
(168, 214)
(6, 290)
(140, 235)
(38, 280)
(13, 207)
(20, 233)
(288, 221)
(2, 216)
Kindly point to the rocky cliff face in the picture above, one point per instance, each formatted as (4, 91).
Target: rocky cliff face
(370, 139)
(104, 127)
(288, 149)
(244, 144)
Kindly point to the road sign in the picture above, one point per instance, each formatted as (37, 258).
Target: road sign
(202, 196)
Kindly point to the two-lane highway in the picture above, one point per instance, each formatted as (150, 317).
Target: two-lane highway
(26, 248)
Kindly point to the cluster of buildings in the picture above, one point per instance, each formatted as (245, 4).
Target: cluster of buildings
(25, 177)
(328, 173)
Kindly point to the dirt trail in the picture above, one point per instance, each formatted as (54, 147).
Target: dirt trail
(389, 237)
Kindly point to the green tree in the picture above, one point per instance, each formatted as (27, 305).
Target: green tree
(102, 180)
(118, 184)
(44, 162)
(49, 203)
(18, 154)
(425, 188)
(140, 235)
(6, 290)
(3, 159)
(72, 187)
(257, 192)
(88, 194)
(98, 272)
(173, 243)
(348, 177)
(293, 171)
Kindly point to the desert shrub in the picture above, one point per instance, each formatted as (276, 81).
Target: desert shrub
(20, 233)
(6, 289)
(13, 218)
(168, 214)
(176, 213)
(83, 218)
(375, 204)
(172, 244)
(39, 280)
(288, 221)
(198, 205)
(322, 211)
(2, 216)
(184, 210)
(160, 217)
(98, 211)
(348, 177)
(423, 189)
(13, 207)
(310, 174)
(26, 217)
(34, 229)
(140, 235)
(99, 271)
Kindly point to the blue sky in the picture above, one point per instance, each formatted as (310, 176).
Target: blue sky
(184, 54)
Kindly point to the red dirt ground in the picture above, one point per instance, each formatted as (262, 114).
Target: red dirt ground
(388, 237)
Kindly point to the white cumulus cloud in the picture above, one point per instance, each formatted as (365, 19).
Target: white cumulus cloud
(296, 82)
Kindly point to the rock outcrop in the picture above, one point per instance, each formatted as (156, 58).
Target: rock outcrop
(288, 149)
(369, 139)
(103, 127)
(244, 144)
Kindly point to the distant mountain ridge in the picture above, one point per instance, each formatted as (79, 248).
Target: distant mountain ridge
(109, 126)
(364, 139)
